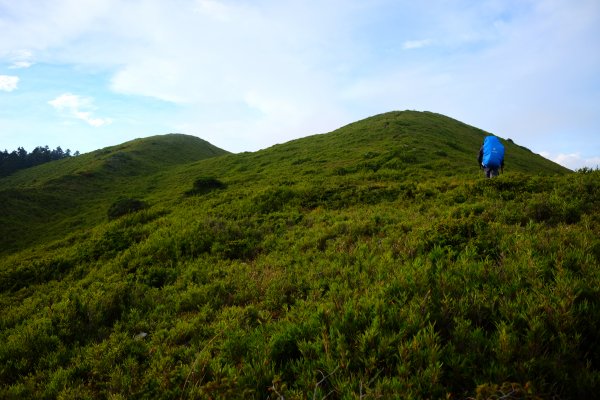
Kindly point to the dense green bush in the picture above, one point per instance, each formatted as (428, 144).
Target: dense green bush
(125, 206)
(33, 271)
(206, 184)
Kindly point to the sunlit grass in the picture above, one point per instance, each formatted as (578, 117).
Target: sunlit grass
(345, 265)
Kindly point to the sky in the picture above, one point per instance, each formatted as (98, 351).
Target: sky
(246, 75)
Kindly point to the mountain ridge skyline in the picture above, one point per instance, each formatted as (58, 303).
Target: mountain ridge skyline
(247, 76)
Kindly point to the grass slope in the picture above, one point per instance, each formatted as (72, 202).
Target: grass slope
(44, 202)
(364, 263)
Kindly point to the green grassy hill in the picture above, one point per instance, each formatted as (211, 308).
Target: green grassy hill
(45, 202)
(370, 262)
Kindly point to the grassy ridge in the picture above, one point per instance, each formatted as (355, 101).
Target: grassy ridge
(365, 263)
(44, 202)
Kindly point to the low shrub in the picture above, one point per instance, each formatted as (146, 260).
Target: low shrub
(204, 185)
(125, 206)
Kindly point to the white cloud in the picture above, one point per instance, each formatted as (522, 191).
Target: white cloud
(67, 101)
(213, 8)
(573, 161)
(416, 44)
(259, 66)
(8, 83)
(21, 64)
(42, 25)
(87, 117)
(276, 69)
(228, 51)
(21, 59)
(78, 107)
(22, 54)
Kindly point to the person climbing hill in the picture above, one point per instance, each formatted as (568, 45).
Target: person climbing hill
(491, 156)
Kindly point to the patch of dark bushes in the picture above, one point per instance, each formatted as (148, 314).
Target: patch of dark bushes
(205, 184)
(111, 243)
(553, 212)
(33, 272)
(157, 276)
(284, 346)
(125, 206)
(274, 199)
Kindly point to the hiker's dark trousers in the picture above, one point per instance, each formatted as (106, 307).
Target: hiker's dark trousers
(490, 172)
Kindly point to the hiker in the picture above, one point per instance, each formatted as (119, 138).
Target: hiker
(491, 156)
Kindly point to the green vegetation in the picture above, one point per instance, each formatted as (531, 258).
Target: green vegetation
(20, 159)
(206, 184)
(364, 263)
(40, 204)
(125, 206)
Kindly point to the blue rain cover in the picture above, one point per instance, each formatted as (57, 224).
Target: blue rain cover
(493, 152)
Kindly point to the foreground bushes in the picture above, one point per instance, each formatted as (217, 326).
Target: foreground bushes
(440, 289)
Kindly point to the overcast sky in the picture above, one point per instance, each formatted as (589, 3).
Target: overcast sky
(245, 75)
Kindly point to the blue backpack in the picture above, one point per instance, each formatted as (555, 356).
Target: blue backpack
(493, 152)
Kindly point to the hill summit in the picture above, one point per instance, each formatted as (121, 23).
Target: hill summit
(374, 261)
(412, 140)
(41, 203)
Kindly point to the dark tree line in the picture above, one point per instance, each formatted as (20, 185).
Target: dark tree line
(20, 159)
